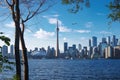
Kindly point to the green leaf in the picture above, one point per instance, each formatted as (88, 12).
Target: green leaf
(5, 39)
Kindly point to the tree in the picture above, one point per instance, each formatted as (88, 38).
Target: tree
(114, 6)
(76, 4)
(22, 11)
(6, 40)
(15, 12)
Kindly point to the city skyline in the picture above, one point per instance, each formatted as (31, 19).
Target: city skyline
(109, 40)
(74, 28)
(108, 48)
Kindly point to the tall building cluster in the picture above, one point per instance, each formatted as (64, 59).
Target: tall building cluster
(108, 47)
(4, 51)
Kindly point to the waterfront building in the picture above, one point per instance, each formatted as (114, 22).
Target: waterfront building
(95, 53)
(104, 40)
(108, 41)
(89, 42)
(70, 50)
(117, 52)
(38, 54)
(114, 42)
(85, 51)
(4, 50)
(12, 50)
(74, 46)
(36, 49)
(73, 52)
(53, 50)
(79, 47)
(94, 41)
(109, 52)
(118, 41)
(65, 47)
(90, 52)
(50, 52)
(82, 53)
(90, 49)
(102, 49)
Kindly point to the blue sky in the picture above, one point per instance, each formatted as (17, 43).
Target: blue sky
(74, 28)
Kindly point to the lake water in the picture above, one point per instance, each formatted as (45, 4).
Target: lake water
(53, 69)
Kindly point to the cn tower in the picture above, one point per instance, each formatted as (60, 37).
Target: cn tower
(57, 46)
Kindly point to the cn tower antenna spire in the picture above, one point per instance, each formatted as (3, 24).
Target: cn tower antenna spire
(57, 46)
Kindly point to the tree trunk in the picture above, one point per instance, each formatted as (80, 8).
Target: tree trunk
(16, 18)
(24, 55)
(25, 60)
(17, 54)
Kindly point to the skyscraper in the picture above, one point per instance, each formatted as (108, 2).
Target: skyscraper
(94, 41)
(4, 50)
(57, 46)
(85, 50)
(114, 43)
(79, 47)
(109, 52)
(108, 41)
(74, 46)
(65, 46)
(103, 40)
(89, 42)
(12, 49)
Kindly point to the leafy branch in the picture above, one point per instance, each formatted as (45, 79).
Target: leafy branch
(5, 39)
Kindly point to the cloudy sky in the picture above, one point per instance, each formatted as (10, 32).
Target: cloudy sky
(74, 28)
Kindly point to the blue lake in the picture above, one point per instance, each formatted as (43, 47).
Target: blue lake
(57, 69)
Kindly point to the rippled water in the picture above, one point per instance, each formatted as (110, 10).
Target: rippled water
(53, 69)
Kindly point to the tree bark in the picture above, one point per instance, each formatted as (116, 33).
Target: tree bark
(17, 54)
(24, 54)
(16, 18)
(25, 61)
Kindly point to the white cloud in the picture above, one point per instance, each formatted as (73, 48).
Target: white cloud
(52, 20)
(11, 24)
(88, 24)
(62, 28)
(56, 15)
(83, 31)
(105, 32)
(43, 34)
(48, 16)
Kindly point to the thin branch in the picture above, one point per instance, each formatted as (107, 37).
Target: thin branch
(8, 3)
(28, 14)
(34, 13)
(46, 9)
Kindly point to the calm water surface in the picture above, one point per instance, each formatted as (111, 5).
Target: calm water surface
(53, 69)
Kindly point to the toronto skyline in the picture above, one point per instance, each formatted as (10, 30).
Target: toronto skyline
(75, 28)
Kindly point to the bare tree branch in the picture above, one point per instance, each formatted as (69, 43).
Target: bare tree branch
(35, 12)
(8, 3)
